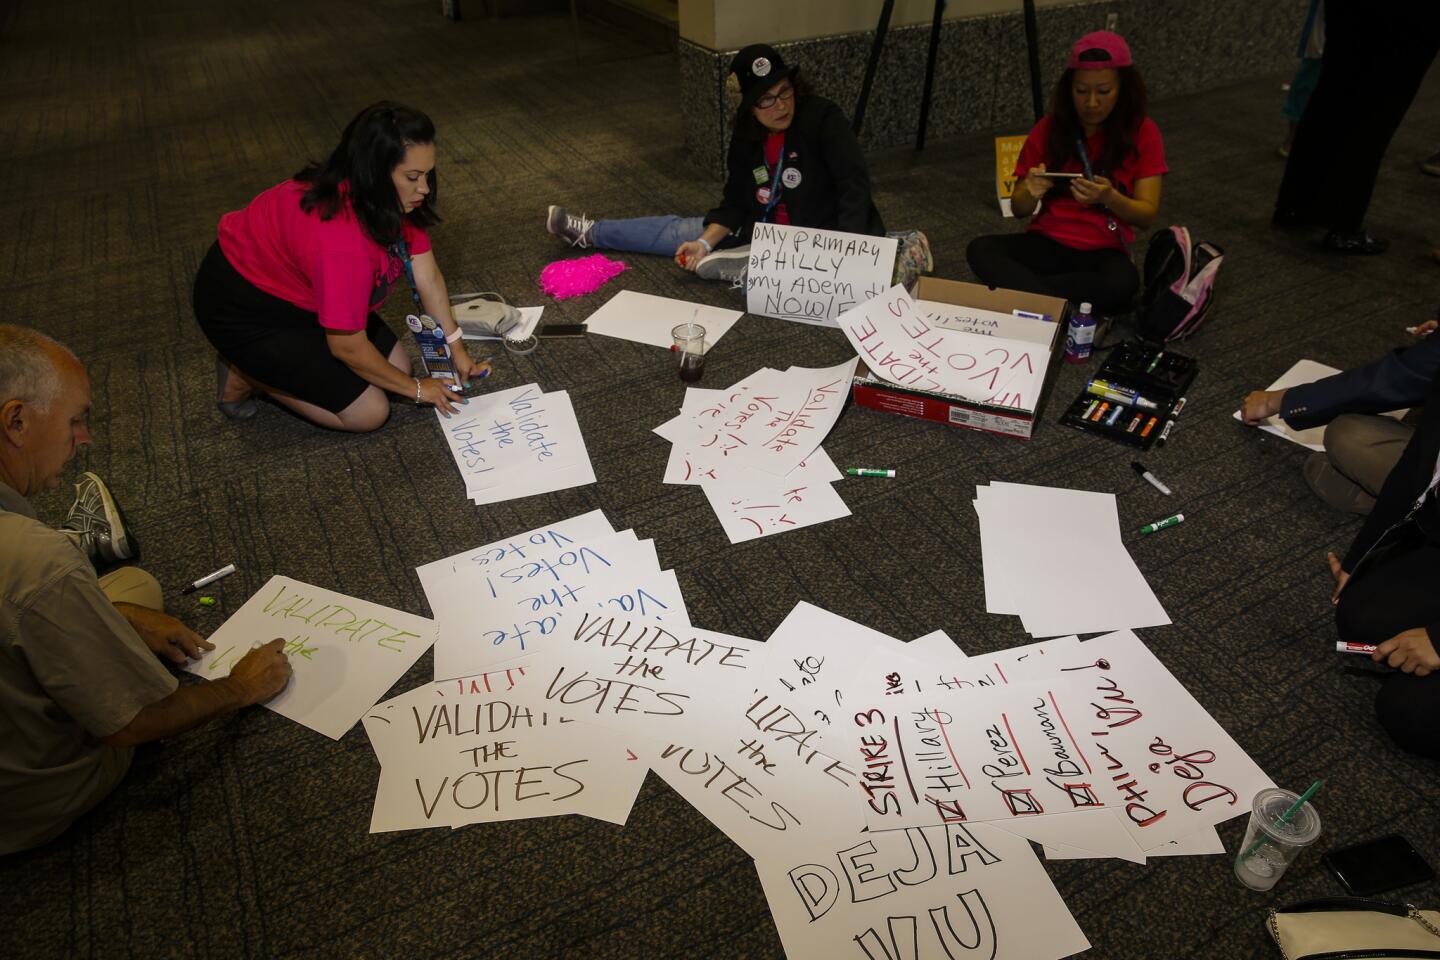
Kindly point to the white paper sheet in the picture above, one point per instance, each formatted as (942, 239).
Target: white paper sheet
(454, 774)
(639, 677)
(1176, 770)
(1305, 371)
(813, 276)
(771, 420)
(1097, 832)
(510, 613)
(344, 652)
(987, 323)
(899, 345)
(518, 439)
(644, 318)
(1202, 843)
(756, 775)
(751, 505)
(812, 657)
(958, 891)
(1079, 530)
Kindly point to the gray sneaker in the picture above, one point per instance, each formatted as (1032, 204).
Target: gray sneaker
(97, 525)
(730, 266)
(568, 227)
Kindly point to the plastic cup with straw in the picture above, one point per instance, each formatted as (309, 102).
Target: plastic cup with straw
(1273, 840)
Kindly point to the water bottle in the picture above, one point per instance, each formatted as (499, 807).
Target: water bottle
(1081, 336)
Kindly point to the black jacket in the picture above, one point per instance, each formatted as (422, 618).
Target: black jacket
(833, 190)
(1401, 378)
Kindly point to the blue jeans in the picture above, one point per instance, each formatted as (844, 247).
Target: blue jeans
(658, 235)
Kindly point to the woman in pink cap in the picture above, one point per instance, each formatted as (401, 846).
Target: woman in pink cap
(1096, 161)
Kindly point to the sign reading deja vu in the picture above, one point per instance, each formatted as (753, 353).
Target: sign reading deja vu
(798, 273)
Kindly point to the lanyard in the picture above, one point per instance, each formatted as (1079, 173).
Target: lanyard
(775, 183)
(404, 253)
(1090, 175)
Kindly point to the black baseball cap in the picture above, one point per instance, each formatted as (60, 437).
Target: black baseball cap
(759, 67)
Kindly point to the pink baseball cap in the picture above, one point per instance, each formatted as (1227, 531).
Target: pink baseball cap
(1116, 50)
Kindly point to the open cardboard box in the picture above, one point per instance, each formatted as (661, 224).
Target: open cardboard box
(870, 391)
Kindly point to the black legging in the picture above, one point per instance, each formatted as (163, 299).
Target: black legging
(1032, 262)
(1392, 593)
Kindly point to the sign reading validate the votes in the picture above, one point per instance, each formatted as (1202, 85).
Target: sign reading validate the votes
(345, 653)
(813, 276)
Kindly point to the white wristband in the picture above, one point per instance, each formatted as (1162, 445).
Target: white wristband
(417, 391)
(705, 243)
(452, 337)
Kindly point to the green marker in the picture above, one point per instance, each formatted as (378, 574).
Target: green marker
(207, 601)
(1162, 524)
(868, 472)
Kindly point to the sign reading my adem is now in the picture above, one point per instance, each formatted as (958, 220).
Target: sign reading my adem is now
(345, 652)
(799, 273)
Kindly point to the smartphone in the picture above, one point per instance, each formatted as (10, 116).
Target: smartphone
(561, 330)
(1057, 175)
(1376, 866)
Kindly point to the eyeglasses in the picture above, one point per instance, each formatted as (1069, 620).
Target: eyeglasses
(766, 102)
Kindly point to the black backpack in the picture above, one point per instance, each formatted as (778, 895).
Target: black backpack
(1179, 287)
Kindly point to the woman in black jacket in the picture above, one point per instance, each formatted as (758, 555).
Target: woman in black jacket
(793, 160)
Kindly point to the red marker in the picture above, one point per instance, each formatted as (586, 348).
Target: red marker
(1366, 648)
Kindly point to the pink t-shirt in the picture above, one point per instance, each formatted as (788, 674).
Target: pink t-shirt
(1085, 226)
(331, 268)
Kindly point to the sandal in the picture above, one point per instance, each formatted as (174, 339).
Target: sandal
(242, 409)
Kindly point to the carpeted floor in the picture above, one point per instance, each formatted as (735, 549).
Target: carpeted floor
(128, 128)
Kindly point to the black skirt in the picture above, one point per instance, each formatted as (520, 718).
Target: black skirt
(274, 342)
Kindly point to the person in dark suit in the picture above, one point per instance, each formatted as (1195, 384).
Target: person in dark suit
(1361, 447)
(1371, 69)
(1385, 590)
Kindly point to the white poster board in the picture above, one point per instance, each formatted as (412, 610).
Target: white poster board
(645, 318)
(813, 276)
(895, 340)
(345, 653)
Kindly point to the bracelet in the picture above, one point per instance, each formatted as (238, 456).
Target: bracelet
(417, 391)
(706, 244)
(452, 337)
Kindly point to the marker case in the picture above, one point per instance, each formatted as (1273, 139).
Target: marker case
(1125, 367)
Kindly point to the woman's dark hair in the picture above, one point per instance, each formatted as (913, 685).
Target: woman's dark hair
(748, 128)
(371, 147)
(1120, 127)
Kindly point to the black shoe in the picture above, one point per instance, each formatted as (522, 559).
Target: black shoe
(1360, 243)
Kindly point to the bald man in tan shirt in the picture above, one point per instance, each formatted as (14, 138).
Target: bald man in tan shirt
(81, 678)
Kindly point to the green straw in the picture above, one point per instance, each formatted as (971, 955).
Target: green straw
(1284, 818)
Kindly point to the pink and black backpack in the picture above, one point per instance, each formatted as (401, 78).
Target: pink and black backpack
(1179, 287)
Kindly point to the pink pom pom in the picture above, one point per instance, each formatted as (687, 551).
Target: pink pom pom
(564, 279)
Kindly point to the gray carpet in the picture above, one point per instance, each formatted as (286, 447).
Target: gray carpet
(127, 128)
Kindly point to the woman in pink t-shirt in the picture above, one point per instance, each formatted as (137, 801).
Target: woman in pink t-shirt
(1076, 246)
(288, 292)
